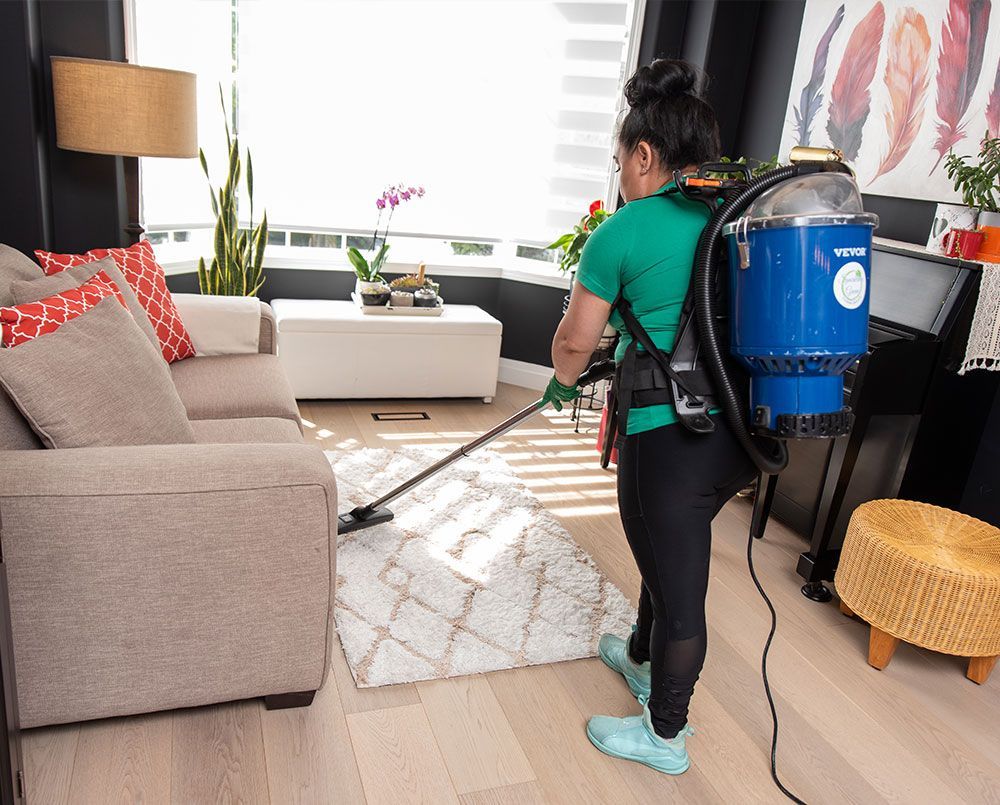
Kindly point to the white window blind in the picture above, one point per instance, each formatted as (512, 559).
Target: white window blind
(502, 109)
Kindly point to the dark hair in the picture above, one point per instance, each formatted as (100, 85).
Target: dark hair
(667, 110)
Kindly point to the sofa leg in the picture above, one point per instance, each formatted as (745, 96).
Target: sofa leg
(283, 701)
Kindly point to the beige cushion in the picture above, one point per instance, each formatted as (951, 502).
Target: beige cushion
(252, 430)
(15, 433)
(73, 277)
(14, 266)
(96, 381)
(234, 387)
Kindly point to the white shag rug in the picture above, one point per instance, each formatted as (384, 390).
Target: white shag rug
(472, 575)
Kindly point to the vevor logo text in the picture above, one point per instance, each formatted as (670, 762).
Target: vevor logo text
(850, 251)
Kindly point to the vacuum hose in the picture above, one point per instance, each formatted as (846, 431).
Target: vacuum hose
(772, 458)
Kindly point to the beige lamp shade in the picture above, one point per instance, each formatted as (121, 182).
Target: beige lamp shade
(106, 107)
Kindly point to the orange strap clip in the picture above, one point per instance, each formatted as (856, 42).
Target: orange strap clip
(694, 181)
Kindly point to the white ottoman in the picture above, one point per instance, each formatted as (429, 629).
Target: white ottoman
(331, 350)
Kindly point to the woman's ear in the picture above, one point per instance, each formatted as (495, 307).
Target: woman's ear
(646, 157)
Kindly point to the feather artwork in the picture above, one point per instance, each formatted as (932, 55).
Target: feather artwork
(906, 78)
(812, 96)
(850, 99)
(960, 61)
(993, 107)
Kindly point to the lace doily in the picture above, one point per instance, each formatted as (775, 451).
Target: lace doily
(983, 349)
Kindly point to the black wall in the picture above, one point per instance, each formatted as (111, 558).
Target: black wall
(54, 199)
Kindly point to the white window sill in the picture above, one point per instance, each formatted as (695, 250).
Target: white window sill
(179, 260)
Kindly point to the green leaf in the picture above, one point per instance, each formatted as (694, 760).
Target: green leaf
(561, 242)
(221, 245)
(260, 245)
(215, 204)
(250, 178)
(360, 264)
(379, 260)
(204, 163)
(202, 276)
(225, 117)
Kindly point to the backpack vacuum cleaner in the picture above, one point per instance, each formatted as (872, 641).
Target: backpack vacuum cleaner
(779, 296)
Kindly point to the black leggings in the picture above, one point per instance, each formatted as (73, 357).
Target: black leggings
(671, 484)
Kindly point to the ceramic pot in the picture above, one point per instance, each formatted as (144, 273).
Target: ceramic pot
(946, 218)
(425, 297)
(989, 224)
(360, 286)
(401, 299)
(375, 299)
(963, 243)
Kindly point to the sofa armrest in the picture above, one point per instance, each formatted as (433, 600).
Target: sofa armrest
(223, 325)
(161, 576)
(267, 343)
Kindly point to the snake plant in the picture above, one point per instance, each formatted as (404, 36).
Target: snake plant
(237, 266)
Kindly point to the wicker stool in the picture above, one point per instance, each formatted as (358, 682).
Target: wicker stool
(925, 575)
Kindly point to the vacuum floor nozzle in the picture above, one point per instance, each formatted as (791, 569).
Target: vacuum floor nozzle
(362, 517)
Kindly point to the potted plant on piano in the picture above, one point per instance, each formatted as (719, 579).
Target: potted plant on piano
(976, 179)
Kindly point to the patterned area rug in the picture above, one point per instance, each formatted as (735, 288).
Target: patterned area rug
(473, 575)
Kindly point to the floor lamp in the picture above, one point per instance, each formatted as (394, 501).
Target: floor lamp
(107, 107)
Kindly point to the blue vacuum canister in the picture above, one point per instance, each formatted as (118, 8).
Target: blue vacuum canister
(800, 270)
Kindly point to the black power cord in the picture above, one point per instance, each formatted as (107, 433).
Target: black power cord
(763, 666)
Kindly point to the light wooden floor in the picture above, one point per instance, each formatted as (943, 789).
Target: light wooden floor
(918, 732)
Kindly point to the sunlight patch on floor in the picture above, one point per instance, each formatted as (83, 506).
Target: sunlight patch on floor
(582, 511)
(570, 480)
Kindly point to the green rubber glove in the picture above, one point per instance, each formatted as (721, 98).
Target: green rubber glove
(556, 393)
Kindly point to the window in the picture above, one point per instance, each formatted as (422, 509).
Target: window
(502, 109)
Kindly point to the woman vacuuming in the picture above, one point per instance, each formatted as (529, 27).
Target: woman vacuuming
(671, 482)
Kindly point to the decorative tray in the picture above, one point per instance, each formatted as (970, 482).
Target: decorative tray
(389, 310)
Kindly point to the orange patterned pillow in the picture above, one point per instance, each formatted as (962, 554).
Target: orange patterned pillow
(21, 323)
(146, 278)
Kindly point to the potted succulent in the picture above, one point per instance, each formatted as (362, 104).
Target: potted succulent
(411, 283)
(369, 270)
(375, 294)
(976, 179)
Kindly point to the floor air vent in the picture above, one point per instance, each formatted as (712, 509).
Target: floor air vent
(399, 416)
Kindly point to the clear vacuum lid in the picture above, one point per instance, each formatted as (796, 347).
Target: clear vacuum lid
(815, 199)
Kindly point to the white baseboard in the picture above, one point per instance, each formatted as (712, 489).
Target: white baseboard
(527, 375)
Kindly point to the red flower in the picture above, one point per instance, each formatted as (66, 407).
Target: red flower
(595, 206)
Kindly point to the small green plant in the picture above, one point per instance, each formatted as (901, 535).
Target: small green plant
(375, 290)
(977, 181)
(757, 166)
(410, 282)
(571, 244)
(237, 267)
(368, 271)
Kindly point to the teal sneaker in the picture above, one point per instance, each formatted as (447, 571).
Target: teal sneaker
(614, 651)
(633, 738)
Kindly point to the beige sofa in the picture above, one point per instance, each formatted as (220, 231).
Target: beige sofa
(161, 576)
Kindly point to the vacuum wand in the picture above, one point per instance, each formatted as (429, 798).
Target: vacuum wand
(375, 512)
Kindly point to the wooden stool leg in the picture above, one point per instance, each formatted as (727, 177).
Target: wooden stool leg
(980, 669)
(846, 609)
(881, 647)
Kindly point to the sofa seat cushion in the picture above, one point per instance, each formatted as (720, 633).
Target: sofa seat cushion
(251, 430)
(234, 387)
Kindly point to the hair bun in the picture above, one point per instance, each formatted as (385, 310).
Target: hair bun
(664, 79)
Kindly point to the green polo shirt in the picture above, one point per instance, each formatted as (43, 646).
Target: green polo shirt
(645, 251)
